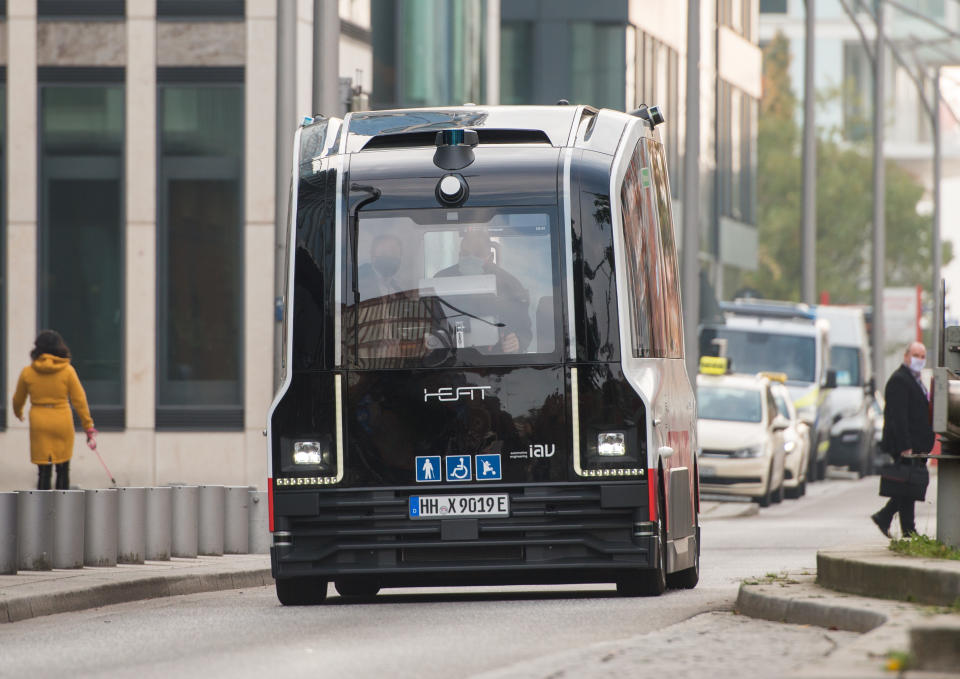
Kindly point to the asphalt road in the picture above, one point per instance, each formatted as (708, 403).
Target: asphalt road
(515, 631)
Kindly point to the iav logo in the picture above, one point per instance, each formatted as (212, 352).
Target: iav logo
(534, 451)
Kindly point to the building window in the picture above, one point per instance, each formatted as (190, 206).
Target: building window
(198, 9)
(598, 54)
(81, 227)
(658, 67)
(736, 153)
(773, 6)
(87, 9)
(200, 269)
(428, 53)
(516, 62)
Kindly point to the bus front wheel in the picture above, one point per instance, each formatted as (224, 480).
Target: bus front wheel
(301, 591)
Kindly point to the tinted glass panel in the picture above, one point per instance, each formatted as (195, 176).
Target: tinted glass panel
(516, 62)
(201, 267)
(753, 352)
(598, 55)
(846, 361)
(81, 254)
(672, 331)
(468, 286)
(642, 257)
(728, 403)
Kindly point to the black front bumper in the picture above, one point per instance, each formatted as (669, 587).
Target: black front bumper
(846, 449)
(555, 533)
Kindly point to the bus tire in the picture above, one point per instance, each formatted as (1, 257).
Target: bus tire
(301, 591)
(356, 588)
(688, 577)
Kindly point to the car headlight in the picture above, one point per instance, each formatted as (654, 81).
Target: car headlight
(789, 446)
(750, 451)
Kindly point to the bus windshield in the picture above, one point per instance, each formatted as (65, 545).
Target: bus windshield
(753, 352)
(473, 284)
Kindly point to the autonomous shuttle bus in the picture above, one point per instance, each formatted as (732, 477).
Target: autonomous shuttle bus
(483, 379)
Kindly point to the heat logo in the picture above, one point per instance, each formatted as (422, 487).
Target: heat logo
(455, 393)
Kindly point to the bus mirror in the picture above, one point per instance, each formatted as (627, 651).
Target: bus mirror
(831, 380)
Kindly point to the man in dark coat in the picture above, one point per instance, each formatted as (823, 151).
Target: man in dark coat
(906, 430)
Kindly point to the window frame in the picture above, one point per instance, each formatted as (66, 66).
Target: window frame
(109, 417)
(197, 416)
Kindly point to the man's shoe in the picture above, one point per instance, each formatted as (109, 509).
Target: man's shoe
(877, 520)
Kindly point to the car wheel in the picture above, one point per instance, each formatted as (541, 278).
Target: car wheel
(650, 582)
(792, 493)
(356, 588)
(777, 496)
(301, 591)
(765, 499)
(802, 488)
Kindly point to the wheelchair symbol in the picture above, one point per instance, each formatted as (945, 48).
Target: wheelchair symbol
(458, 468)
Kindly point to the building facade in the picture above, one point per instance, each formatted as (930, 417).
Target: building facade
(137, 218)
(623, 53)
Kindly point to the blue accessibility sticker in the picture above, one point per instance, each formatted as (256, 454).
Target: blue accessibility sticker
(428, 468)
(488, 467)
(458, 468)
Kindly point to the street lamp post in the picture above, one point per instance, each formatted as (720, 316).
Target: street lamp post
(879, 193)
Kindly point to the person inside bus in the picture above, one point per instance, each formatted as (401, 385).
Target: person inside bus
(510, 306)
(377, 278)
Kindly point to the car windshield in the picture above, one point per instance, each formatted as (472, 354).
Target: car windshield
(729, 403)
(846, 361)
(469, 286)
(754, 352)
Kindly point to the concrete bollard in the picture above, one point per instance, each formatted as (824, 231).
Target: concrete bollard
(236, 530)
(101, 527)
(68, 513)
(184, 538)
(210, 521)
(8, 533)
(260, 539)
(35, 530)
(159, 523)
(132, 535)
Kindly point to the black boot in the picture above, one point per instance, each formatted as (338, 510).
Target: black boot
(883, 525)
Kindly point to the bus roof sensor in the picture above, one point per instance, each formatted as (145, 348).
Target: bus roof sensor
(455, 148)
(452, 189)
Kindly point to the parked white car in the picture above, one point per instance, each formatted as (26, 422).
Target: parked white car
(796, 443)
(740, 434)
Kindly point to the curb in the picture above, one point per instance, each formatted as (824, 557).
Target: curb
(879, 573)
(106, 594)
(755, 603)
(719, 511)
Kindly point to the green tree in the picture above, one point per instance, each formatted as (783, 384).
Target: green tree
(844, 204)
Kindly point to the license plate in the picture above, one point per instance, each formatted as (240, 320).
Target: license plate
(446, 506)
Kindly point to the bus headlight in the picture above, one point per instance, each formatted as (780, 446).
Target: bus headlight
(307, 452)
(313, 454)
(611, 443)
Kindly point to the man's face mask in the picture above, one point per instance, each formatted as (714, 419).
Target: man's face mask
(916, 364)
(386, 265)
(471, 265)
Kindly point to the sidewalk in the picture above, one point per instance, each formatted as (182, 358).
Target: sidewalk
(900, 604)
(30, 594)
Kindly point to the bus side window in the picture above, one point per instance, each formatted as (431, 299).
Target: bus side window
(639, 257)
(668, 270)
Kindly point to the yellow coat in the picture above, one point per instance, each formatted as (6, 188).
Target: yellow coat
(53, 386)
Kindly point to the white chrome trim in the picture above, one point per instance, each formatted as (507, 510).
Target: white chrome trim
(338, 395)
(288, 306)
(632, 134)
(338, 268)
(575, 416)
(568, 238)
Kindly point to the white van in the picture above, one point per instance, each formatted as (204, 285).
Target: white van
(849, 406)
(783, 337)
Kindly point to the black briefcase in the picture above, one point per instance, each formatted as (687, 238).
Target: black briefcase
(906, 481)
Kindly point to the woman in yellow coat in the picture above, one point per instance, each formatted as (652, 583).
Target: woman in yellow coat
(53, 386)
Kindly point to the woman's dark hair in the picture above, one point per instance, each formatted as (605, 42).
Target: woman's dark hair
(49, 342)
